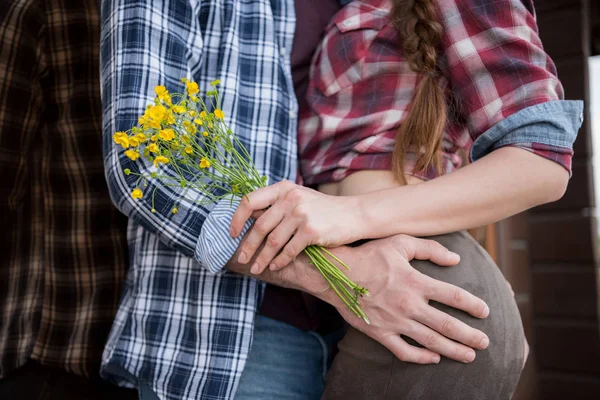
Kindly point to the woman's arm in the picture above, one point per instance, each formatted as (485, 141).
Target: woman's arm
(499, 185)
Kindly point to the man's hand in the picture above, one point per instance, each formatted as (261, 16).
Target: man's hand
(398, 304)
(399, 301)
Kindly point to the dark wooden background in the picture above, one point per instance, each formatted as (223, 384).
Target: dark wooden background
(550, 253)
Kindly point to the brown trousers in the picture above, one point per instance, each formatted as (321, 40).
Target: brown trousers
(364, 369)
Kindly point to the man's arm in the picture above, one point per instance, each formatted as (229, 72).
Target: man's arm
(144, 44)
(399, 297)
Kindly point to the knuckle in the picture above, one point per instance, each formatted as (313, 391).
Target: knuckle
(248, 248)
(430, 341)
(447, 327)
(294, 195)
(406, 305)
(290, 251)
(261, 226)
(273, 241)
(458, 296)
(300, 212)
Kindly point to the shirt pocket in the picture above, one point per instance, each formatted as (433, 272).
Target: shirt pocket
(339, 61)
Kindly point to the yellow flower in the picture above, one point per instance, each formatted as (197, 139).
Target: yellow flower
(204, 163)
(153, 148)
(219, 113)
(175, 210)
(178, 109)
(192, 113)
(122, 139)
(188, 149)
(205, 133)
(142, 120)
(160, 90)
(215, 82)
(166, 134)
(160, 160)
(166, 98)
(210, 125)
(137, 193)
(192, 87)
(189, 127)
(185, 139)
(184, 80)
(141, 137)
(154, 138)
(157, 113)
(170, 118)
(153, 210)
(194, 99)
(198, 121)
(133, 141)
(203, 114)
(216, 137)
(132, 154)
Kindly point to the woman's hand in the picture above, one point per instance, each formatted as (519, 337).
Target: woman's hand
(292, 217)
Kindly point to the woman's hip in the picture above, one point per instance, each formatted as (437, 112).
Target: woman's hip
(364, 369)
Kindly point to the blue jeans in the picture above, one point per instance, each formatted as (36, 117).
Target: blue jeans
(284, 363)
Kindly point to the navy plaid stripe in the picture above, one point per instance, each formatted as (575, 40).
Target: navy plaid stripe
(181, 328)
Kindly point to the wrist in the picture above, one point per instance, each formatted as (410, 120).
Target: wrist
(364, 220)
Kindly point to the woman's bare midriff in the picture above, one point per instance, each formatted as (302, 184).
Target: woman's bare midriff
(362, 182)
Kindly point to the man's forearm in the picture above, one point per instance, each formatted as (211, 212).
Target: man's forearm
(298, 275)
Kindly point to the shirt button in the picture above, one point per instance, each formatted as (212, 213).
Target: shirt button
(283, 51)
(293, 114)
(581, 117)
(346, 23)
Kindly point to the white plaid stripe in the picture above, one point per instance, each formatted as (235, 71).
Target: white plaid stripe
(182, 329)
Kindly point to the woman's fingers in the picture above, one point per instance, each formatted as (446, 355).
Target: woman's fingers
(258, 200)
(452, 328)
(456, 297)
(291, 250)
(275, 241)
(407, 353)
(440, 344)
(261, 228)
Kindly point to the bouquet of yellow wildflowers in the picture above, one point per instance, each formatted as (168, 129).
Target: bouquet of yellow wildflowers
(190, 135)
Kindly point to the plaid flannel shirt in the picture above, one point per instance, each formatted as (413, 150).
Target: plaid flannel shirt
(64, 249)
(183, 326)
(502, 90)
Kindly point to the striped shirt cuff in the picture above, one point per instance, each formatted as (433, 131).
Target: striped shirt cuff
(215, 247)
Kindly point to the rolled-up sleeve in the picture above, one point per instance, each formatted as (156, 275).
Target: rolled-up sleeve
(505, 85)
(144, 44)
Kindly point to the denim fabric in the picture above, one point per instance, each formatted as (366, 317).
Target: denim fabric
(284, 363)
(554, 123)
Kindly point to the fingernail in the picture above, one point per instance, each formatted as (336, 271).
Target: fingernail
(455, 256)
(272, 267)
(485, 342)
(469, 356)
(486, 311)
(436, 359)
(242, 259)
(254, 268)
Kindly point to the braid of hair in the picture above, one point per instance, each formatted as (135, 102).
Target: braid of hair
(420, 34)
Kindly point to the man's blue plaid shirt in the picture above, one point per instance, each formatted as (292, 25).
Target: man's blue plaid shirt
(184, 326)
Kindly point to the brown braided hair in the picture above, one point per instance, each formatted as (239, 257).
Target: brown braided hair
(420, 35)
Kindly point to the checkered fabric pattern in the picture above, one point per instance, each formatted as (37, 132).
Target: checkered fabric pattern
(184, 326)
(63, 247)
(492, 66)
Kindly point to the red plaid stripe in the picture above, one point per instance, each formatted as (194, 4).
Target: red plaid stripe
(492, 63)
